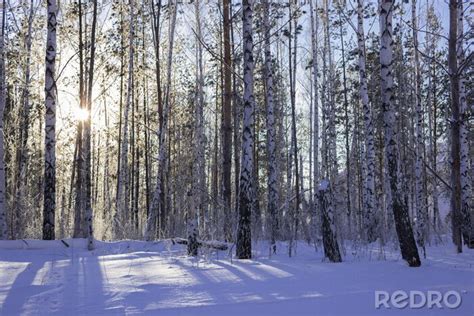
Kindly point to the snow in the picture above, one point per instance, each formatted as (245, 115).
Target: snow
(132, 277)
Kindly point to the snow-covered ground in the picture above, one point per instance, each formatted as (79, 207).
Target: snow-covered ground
(131, 277)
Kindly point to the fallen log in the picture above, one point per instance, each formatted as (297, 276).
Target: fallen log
(214, 244)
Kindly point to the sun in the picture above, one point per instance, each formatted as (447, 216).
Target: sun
(80, 114)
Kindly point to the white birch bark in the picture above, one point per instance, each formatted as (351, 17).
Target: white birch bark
(369, 180)
(466, 190)
(156, 204)
(88, 218)
(332, 148)
(199, 167)
(50, 125)
(273, 197)
(400, 209)
(421, 212)
(3, 206)
(314, 51)
(246, 185)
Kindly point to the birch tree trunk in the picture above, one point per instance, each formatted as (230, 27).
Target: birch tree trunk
(273, 197)
(3, 205)
(331, 246)
(199, 167)
(314, 51)
(120, 223)
(87, 139)
(156, 211)
(49, 203)
(369, 180)
(246, 185)
(421, 211)
(399, 207)
(466, 190)
(227, 120)
(293, 157)
(22, 150)
(455, 201)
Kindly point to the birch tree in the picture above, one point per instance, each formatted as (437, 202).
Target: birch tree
(455, 201)
(156, 211)
(369, 179)
(273, 197)
(398, 205)
(466, 190)
(3, 206)
(328, 228)
(227, 118)
(49, 205)
(22, 148)
(314, 51)
(87, 138)
(421, 217)
(199, 167)
(246, 185)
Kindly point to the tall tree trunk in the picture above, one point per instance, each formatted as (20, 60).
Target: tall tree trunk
(78, 151)
(49, 205)
(199, 167)
(314, 51)
(421, 211)
(399, 207)
(273, 197)
(466, 190)
(346, 127)
(157, 211)
(88, 213)
(22, 149)
(294, 142)
(121, 213)
(227, 120)
(246, 185)
(3, 204)
(370, 226)
(455, 126)
(156, 15)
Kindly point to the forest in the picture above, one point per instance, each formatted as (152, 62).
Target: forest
(230, 157)
(329, 122)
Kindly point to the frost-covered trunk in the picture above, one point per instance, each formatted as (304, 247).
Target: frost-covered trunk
(227, 120)
(199, 167)
(466, 190)
(328, 227)
(88, 213)
(369, 217)
(50, 90)
(331, 108)
(246, 185)
(293, 156)
(3, 205)
(314, 51)
(22, 148)
(456, 218)
(156, 212)
(78, 231)
(399, 207)
(120, 217)
(421, 211)
(273, 197)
